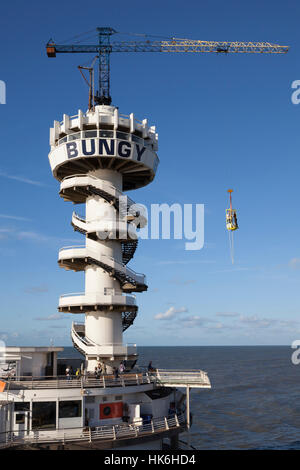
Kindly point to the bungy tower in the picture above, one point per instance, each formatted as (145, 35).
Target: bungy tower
(96, 156)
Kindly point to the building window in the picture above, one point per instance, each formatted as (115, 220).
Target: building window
(74, 136)
(107, 134)
(44, 415)
(90, 134)
(20, 418)
(90, 399)
(70, 409)
(22, 406)
(109, 291)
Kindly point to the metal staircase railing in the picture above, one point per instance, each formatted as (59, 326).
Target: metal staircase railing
(107, 191)
(129, 279)
(128, 247)
(128, 250)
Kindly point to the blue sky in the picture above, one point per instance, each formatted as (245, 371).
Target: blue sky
(223, 121)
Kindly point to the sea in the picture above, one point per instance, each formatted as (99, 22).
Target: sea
(254, 402)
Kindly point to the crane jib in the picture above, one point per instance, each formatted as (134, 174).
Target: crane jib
(168, 46)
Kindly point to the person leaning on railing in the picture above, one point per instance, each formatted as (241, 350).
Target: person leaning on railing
(122, 368)
(151, 369)
(97, 372)
(68, 373)
(172, 409)
(115, 373)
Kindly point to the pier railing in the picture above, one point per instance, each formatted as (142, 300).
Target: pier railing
(176, 378)
(164, 377)
(90, 435)
(104, 381)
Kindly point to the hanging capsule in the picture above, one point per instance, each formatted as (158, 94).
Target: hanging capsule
(231, 218)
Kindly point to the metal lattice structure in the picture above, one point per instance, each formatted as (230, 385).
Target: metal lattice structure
(105, 47)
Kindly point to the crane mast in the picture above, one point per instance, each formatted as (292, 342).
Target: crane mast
(105, 47)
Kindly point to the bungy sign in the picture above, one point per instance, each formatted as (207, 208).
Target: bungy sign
(102, 148)
(105, 147)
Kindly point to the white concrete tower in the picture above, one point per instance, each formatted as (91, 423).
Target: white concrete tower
(96, 156)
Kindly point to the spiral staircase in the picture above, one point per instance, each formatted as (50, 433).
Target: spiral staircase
(109, 225)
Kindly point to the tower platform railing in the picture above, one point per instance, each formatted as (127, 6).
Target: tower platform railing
(100, 184)
(110, 134)
(97, 296)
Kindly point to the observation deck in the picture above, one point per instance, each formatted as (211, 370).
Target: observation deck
(104, 139)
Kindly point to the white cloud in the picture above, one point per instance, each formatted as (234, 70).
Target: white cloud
(181, 282)
(258, 322)
(170, 262)
(54, 316)
(234, 269)
(22, 179)
(36, 289)
(227, 314)
(14, 217)
(40, 237)
(4, 232)
(294, 263)
(170, 313)
(58, 326)
(194, 321)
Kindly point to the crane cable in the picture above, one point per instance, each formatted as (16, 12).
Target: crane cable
(231, 246)
(78, 36)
